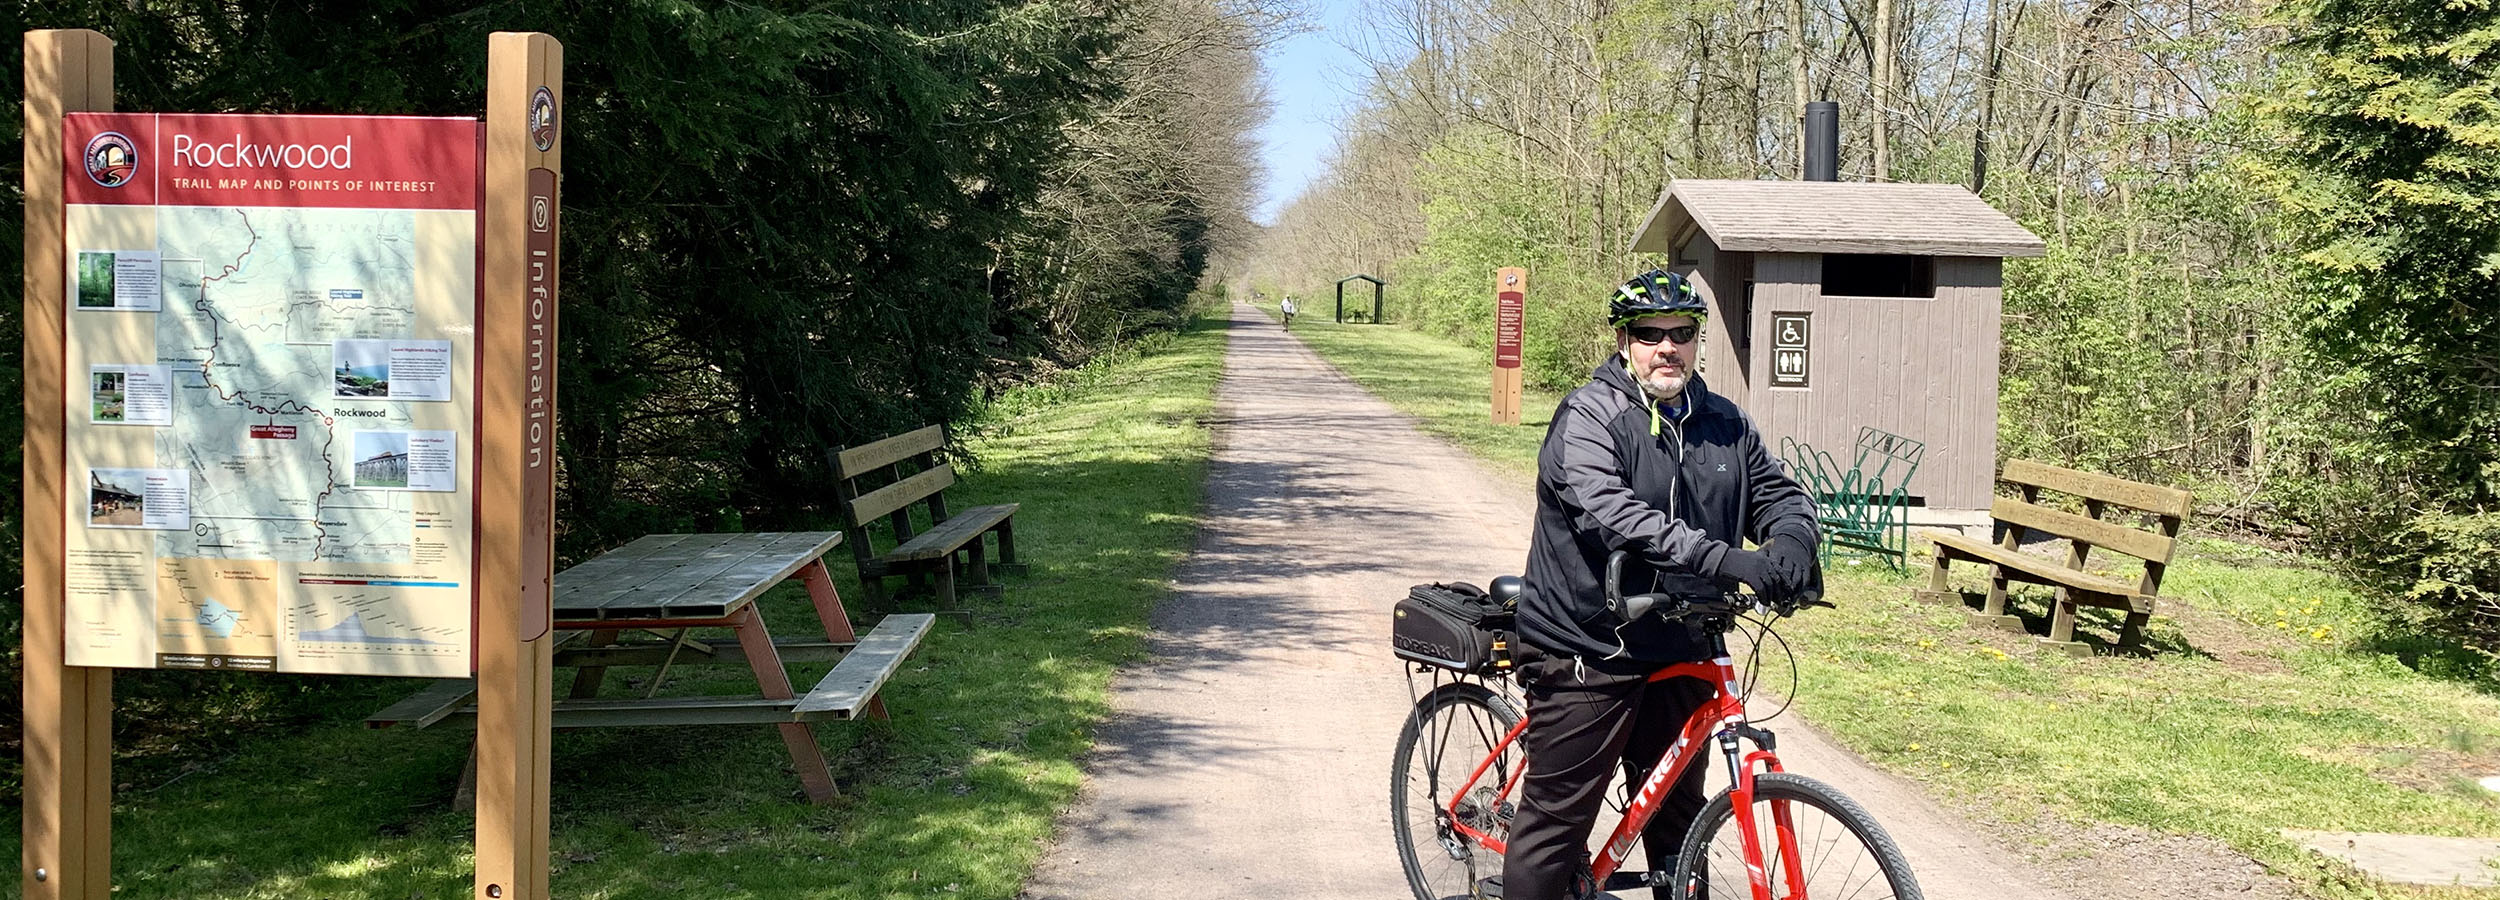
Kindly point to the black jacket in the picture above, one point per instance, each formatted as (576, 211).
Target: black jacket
(1676, 499)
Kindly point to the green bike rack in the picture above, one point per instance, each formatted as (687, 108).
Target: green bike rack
(1863, 510)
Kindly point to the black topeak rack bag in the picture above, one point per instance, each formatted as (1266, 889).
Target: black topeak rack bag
(1454, 626)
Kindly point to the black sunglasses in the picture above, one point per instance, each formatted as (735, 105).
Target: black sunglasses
(1652, 334)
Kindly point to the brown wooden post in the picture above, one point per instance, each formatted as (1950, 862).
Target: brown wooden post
(1510, 292)
(516, 459)
(68, 740)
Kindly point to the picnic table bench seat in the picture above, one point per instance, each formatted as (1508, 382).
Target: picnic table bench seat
(2013, 519)
(882, 481)
(668, 585)
(844, 692)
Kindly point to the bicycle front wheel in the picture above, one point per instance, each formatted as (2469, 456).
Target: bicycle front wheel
(1452, 730)
(1816, 845)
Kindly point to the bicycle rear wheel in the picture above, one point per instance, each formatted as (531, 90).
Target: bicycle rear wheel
(1840, 853)
(1450, 732)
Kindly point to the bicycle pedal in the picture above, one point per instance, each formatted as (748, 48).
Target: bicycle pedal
(1627, 880)
(1489, 887)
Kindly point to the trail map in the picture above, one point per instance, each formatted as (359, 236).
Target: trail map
(273, 427)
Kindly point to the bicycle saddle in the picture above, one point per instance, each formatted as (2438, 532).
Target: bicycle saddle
(1506, 591)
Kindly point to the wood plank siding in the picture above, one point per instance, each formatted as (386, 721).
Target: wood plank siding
(1724, 364)
(1921, 368)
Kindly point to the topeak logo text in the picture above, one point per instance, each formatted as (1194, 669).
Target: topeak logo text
(111, 158)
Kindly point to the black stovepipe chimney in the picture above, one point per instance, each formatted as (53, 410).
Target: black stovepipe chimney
(1822, 129)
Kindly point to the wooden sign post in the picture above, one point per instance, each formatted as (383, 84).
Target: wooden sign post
(516, 420)
(68, 816)
(1510, 301)
(241, 332)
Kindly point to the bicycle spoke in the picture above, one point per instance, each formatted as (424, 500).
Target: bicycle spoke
(1456, 727)
(1828, 851)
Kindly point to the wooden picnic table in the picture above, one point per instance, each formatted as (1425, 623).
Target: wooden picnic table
(668, 584)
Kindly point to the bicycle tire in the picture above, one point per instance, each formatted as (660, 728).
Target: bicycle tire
(1451, 730)
(1705, 842)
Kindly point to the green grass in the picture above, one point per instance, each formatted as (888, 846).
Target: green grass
(953, 797)
(2275, 698)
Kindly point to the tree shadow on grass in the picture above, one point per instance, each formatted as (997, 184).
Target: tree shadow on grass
(2437, 657)
(2095, 627)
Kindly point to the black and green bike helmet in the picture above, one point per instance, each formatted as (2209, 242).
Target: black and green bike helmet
(1656, 292)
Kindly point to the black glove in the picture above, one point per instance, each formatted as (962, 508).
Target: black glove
(1753, 568)
(1792, 565)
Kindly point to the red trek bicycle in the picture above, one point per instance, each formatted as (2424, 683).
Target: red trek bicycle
(1459, 759)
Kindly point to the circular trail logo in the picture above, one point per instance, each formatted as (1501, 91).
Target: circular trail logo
(543, 119)
(111, 159)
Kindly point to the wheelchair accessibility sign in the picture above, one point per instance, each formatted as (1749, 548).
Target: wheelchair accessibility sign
(1789, 341)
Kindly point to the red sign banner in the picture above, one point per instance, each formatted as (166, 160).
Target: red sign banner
(1509, 317)
(207, 159)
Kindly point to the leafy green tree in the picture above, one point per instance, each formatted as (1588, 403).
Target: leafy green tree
(2393, 175)
(789, 224)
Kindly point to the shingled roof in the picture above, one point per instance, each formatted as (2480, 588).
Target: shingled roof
(1833, 217)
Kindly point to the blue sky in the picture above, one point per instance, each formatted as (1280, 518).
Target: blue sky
(1311, 80)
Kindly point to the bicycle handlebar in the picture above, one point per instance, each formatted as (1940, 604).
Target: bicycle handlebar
(1673, 607)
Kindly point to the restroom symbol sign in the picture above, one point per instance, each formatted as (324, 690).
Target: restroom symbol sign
(1791, 335)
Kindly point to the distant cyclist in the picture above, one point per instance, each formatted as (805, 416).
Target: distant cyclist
(1290, 309)
(1642, 458)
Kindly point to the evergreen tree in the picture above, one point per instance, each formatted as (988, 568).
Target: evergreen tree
(2393, 175)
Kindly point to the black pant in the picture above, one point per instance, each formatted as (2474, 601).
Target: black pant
(1581, 725)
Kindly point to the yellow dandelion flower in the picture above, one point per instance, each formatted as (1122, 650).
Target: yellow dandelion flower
(1913, 748)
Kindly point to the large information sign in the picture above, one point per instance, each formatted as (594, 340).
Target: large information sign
(272, 392)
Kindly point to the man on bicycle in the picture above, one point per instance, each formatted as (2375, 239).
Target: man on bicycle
(1642, 458)
(1290, 309)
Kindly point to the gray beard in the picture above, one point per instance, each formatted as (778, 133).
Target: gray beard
(1669, 397)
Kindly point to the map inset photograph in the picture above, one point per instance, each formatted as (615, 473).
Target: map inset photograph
(95, 279)
(113, 498)
(381, 459)
(107, 391)
(362, 369)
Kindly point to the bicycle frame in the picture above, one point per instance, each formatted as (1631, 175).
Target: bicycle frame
(1722, 718)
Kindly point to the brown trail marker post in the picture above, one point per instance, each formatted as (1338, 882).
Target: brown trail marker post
(327, 524)
(1510, 294)
(516, 417)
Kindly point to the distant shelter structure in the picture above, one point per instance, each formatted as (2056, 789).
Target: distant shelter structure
(1377, 285)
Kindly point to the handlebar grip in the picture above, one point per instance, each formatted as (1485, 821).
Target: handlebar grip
(1614, 584)
(1639, 605)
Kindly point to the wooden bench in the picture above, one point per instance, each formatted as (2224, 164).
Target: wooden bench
(667, 584)
(2167, 507)
(873, 485)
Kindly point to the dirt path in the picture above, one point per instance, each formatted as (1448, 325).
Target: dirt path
(1250, 757)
